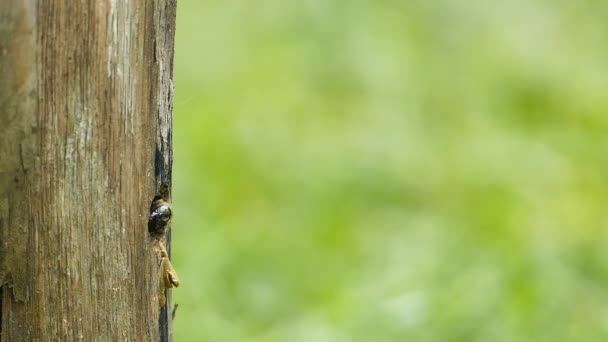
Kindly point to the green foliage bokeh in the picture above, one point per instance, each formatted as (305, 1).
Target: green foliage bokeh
(391, 170)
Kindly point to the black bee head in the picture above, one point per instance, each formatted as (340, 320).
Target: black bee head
(160, 215)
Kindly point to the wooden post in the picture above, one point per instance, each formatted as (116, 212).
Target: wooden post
(85, 107)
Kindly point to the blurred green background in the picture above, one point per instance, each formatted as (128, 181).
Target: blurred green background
(391, 170)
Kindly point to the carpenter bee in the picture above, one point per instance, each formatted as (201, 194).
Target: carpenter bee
(160, 215)
(158, 222)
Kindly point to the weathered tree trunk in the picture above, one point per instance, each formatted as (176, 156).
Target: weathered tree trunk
(85, 106)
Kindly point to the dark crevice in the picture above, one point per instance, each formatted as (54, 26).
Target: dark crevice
(154, 52)
(158, 163)
(1, 296)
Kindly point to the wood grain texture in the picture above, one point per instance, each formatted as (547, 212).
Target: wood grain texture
(85, 99)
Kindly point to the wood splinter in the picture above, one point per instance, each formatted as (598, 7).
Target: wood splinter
(166, 274)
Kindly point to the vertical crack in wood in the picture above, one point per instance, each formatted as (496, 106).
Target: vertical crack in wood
(1, 316)
(162, 45)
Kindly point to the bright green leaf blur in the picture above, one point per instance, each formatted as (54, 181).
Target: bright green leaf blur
(391, 170)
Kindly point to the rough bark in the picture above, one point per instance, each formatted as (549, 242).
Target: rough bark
(85, 102)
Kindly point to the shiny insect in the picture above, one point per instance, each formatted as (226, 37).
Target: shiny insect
(158, 224)
(160, 216)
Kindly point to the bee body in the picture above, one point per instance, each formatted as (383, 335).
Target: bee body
(160, 215)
